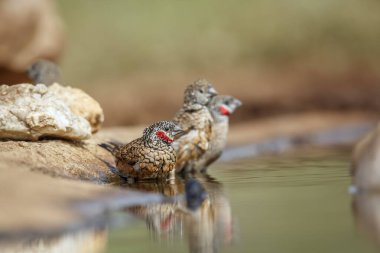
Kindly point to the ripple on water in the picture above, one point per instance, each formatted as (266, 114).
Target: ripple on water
(285, 170)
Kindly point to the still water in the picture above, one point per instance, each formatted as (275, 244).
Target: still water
(294, 202)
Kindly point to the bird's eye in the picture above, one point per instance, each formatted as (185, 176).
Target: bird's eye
(166, 129)
(202, 91)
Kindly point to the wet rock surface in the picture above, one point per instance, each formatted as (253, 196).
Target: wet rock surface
(83, 160)
(61, 158)
(30, 112)
(34, 204)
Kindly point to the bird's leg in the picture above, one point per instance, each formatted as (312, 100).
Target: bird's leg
(130, 180)
(184, 172)
(187, 169)
(171, 177)
(204, 170)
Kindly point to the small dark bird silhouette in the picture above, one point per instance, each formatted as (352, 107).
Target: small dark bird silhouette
(195, 194)
(221, 107)
(150, 156)
(45, 72)
(196, 121)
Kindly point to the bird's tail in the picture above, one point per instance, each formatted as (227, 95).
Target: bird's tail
(111, 146)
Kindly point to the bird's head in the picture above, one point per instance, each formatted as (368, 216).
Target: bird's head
(199, 93)
(162, 132)
(224, 106)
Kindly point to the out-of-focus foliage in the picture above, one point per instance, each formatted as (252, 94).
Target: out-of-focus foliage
(117, 37)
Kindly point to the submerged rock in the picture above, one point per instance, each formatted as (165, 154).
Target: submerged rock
(29, 112)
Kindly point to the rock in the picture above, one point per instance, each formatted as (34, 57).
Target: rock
(366, 162)
(84, 160)
(81, 104)
(29, 112)
(45, 72)
(61, 158)
(29, 30)
(41, 205)
(89, 240)
(58, 204)
(366, 211)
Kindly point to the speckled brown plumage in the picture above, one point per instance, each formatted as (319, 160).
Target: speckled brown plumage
(221, 107)
(150, 156)
(195, 119)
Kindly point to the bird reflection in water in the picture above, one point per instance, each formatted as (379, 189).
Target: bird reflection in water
(366, 210)
(207, 224)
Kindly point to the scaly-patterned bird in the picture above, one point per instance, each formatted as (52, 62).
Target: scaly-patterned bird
(196, 121)
(150, 156)
(221, 107)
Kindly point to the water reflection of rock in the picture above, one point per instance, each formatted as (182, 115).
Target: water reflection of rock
(85, 241)
(206, 230)
(366, 209)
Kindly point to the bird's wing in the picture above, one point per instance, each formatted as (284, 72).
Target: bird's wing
(190, 147)
(130, 153)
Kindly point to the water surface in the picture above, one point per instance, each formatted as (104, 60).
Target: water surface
(294, 202)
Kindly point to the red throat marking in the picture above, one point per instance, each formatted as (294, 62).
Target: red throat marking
(162, 135)
(224, 110)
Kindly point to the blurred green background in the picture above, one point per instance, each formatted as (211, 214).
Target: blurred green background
(116, 38)
(277, 56)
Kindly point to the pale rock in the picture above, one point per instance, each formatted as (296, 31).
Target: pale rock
(81, 104)
(29, 112)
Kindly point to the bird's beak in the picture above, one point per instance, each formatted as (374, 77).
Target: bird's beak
(212, 91)
(237, 103)
(177, 132)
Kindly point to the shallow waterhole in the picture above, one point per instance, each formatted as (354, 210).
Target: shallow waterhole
(292, 202)
(295, 202)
